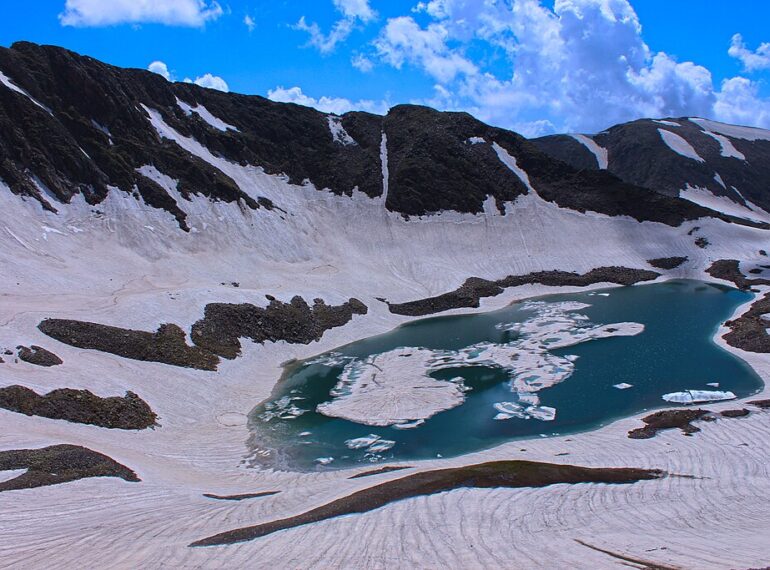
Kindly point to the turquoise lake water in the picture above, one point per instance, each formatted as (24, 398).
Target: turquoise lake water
(675, 352)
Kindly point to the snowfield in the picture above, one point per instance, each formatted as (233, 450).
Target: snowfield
(126, 264)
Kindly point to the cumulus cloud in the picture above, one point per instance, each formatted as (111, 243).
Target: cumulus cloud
(362, 63)
(94, 13)
(581, 65)
(249, 22)
(751, 60)
(353, 11)
(161, 69)
(402, 40)
(210, 81)
(336, 105)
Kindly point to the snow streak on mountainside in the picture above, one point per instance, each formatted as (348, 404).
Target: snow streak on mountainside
(71, 125)
(720, 166)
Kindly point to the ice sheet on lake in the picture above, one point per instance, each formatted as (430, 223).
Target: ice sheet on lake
(394, 388)
(698, 396)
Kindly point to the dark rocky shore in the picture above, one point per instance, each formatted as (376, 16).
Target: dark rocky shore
(474, 288)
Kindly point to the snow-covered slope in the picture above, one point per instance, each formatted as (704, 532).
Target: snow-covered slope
(277, 201)
(724, 167)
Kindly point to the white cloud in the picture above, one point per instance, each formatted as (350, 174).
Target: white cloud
(751, 60)
(210, 81)
(356, 9)
(402, 40)
(581, 66)
(337, 105)
(250, 23)
(161, 69)
(362, 63)
(352, 12)
(739, 102)
(94, 13)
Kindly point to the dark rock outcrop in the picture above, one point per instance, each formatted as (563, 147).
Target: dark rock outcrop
(58, 464)
(80, 406)
(92, 131)
(509, 474)
(638, 155)
(38, 356)
(669, 419)
(167, 345)
(667, 262)
(219, 331)
(474, 288)
(749, 331)
(216, 334)
(240, 497)
(729, 270)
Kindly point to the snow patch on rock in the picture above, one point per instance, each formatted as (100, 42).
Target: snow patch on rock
(206, 115)
(339, 134)
(679, 145)
(598, 151)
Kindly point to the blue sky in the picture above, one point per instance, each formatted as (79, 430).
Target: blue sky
(535, 66)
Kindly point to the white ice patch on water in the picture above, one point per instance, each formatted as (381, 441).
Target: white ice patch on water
(206, 115)
(623, 386)
(679, 145)
(324, 460)
(698, 396)
(394, 388)
(339, 134)
(734, 131)
(713, 384)
(5, 80)
(508, 410)
(598, 151)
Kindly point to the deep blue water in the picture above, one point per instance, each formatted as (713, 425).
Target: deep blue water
(675, 352)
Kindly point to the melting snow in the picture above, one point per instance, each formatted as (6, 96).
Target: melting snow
(679, 145)
(339, 134)
(510, 162)
(734, 131)
(598, 151)
(206, 115)
(667, 123)
(698, 396)
(727, 149)
(395, 387)
(476, 140)
(104, 129)
(5, 80)
(384, 163)
(705, 198)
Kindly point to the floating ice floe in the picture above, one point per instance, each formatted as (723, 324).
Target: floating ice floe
(324, 460)
(698, 396)
(394, 388)
(623, 386)
(713, 384)
(508, 410)
(372, 443)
